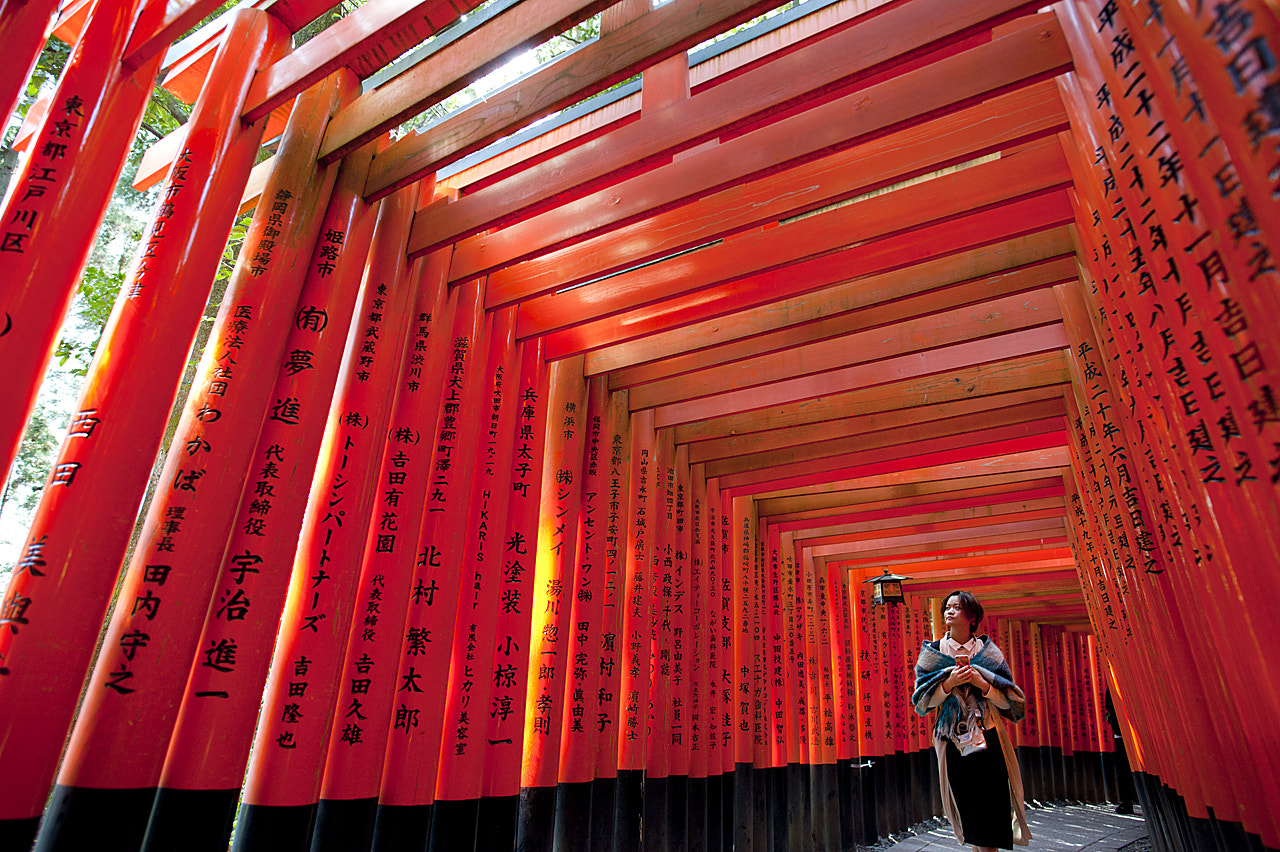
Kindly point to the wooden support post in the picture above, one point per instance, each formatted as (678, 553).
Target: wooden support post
(550, 637)
(205, 764)
(65, 182)
(498, 813)
(22, 32)
(59, 593)
(287, 764)
(131, 705)
(459, 782)
(582, 728)
(634, 687)
(604, 711)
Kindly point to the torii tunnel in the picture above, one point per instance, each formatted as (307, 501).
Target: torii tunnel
(535, 465)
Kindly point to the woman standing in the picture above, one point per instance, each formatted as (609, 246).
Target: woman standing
(966, 678)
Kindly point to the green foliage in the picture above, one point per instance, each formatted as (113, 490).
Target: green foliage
(94, 300)
(31, 467)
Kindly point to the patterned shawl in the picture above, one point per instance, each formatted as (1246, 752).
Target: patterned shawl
(933, 667)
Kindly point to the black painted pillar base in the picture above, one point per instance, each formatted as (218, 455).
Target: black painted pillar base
(454, 825)
(743, 803)
(677, 821)
(407, 828)
(496, 823)
(603, 795)
(629, 811)
(17, 835)
(267, 828)
(80, 818)
(654, 829)
(573, 809)
(191, 820)
(698, 806)
(535, 831)
(344, 825)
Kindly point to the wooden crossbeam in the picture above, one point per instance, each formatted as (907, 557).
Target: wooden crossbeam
(1032, 259)
(817, 435)
(906, 438)
(915, 509)
(1039, 370)
(998, 348)
(928, 331)
(782, 512)
(944, 522)
(910, 246)
(502, 35)
(1043, 456)
(997, 551)
(840, 59)
(892, 305)
(910, 536)
(597, 65)
(1043, 507)
(364, 41)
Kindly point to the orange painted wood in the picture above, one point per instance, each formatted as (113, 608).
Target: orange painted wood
(153, 37)
(559, 520)
(509, 660)
(612, 58)
(964, 448)
(1031, 371)
(448, 70)
(292, 738)
(1013, 344)
(581, 729)
(1034, 462)
(907, 536)
(793, 512)
(22, 31)
(605, 713)
(76, 154)
(918, 243)
(944, 328)
(828, 545)
(838, 529)
(122, 732)
(835, 61)
(1037, 168)
(1033, 255)
(917, 438)
(637, 590)
(829, 430)
(463, 745)
(845, 326)
(365, 40)
(999, 564)
(59, 593)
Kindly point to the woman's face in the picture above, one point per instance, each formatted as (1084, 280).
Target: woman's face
(953, 614)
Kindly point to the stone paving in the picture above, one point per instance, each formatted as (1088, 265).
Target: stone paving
(1066, 828)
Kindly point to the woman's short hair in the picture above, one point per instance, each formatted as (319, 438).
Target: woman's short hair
(968, 605)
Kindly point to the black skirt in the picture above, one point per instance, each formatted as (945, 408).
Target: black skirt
(980, 786)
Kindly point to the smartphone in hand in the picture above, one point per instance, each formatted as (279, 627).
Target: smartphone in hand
(962, 660)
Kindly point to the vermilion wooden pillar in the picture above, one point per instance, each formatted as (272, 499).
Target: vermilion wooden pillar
(405, 601)
(634, 686)
(658, 645)
(59, 593)
(189, 518)
(585, 595)
(509, 669)
(64, 183)
(292, 740)
(550, 639)
(22, 32)
(604, 712)
(700, 596)
(205, 763)
(462, 744)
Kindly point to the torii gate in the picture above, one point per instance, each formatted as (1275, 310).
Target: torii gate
(532, 472)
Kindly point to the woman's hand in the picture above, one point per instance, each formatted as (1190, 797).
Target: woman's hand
(961, 675)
